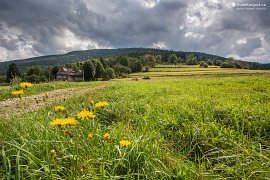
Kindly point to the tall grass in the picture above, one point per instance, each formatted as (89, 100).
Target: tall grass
(5, 91)
(201, 128)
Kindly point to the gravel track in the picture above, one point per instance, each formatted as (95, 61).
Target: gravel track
(14, 106)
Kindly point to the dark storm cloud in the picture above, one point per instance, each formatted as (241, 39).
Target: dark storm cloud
(38, 27)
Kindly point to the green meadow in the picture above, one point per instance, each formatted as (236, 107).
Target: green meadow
(196, 70)
(197, 127)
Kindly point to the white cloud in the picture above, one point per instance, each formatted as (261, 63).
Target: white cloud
(159, 45)
(193, 35)
(149, 3)
(242, 41)
(69, 42)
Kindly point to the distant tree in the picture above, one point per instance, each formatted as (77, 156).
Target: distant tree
(191, 59)
(172, 59)
(217, 62)
(100, 71)
(103, 62)
(203, 64)
(34, 70)
(123, 60)
(55, 70)
(150, 60)
(209, 62)
(12, 72)
(180, 60)
(136, 66)
(47, 73)
(89, 70)
(120, 69)
(158, 58)
(109, 73)
(227, 64)
(256, 65)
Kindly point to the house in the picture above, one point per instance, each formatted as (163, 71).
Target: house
(66, 74)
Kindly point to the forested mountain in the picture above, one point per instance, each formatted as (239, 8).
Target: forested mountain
(76, 56)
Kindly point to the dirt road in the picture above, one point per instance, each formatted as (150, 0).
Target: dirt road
(15, 106)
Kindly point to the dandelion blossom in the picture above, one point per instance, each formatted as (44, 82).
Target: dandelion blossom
(101, 104)
(125, 143)
(106, 136)
(25, 85)
(66, 121)
(90, 136)
(70, 121)
(59, 108)
(85, 115)
(18, 93)
(57, 122)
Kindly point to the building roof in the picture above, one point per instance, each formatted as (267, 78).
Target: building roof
(68, 71)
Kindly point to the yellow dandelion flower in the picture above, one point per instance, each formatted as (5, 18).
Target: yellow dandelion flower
(90, 136)
(57, 122)
(66, 121)
(106, 136)
(18, 93)
(125, 143)
(101, 104)
(59, 108)
(25, 85)
(85, 115)
(70, 121)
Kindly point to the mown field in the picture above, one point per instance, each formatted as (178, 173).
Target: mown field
(185, 70)
(179, 128)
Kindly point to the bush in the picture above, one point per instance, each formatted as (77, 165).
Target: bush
(203, 64)
(109, 73)
(227, 64)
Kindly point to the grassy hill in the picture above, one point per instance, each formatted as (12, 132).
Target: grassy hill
(76, 56)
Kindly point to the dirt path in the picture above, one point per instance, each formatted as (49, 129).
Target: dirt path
(13, 106)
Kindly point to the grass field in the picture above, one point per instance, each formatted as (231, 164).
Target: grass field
(184, 70)
(5, 91)
(179, 128)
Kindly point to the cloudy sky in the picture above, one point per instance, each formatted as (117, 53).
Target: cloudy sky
(224, 27)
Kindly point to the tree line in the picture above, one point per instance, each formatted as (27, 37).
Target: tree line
(121, 66)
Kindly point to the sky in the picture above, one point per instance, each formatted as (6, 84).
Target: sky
(229, 28)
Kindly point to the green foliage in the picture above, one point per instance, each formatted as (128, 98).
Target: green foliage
(109, 73)
(191, 59)
(103, 62)
(150, 61)
(100, 71)
(12, 72)
(136, 66)
(55, 70)
(34, 70)
(180, 60)
(172, 59)
(123, 60)
(120, 70)
(203, 64)
(89, 70)
(227, 64)
(217, 62)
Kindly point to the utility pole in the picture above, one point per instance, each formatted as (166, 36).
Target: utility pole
(83, 74)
